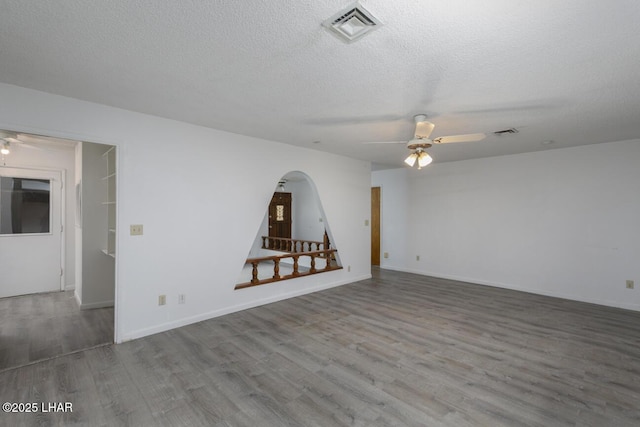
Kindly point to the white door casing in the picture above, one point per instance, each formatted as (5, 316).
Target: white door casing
(32, 263)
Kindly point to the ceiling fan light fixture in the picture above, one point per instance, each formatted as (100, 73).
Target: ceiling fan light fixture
(424, 159)
(411, 160)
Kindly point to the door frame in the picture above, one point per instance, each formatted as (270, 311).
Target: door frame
(60, 180)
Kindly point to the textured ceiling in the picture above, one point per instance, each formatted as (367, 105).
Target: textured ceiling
(565, 71)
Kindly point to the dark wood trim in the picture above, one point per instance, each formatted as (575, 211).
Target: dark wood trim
(328, 254)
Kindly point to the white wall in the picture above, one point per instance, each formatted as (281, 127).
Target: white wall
(306, 212)
(562, 222)
(58, 159)
(201, 199)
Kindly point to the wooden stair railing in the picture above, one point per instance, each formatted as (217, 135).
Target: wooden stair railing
(328, 255)
(284, 244)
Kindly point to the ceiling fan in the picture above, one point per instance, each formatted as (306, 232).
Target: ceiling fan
(34, 142)
(421, 141)
(11, 138)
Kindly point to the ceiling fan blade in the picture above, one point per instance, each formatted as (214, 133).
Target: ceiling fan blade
(423, 129)
(469, 137)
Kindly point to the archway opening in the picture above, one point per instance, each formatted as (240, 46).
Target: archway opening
(294, 238)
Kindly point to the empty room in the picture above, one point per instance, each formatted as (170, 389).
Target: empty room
(320, 213)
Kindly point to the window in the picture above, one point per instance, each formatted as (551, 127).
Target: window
(25, 205)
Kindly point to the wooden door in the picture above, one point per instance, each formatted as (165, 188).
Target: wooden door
(280, 215)
(375, 226)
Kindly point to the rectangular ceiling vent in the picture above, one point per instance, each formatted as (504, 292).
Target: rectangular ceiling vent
(352, 23)
(505, 132)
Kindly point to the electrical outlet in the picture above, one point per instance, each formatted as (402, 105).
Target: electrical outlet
(181, 299)
(366, 222)
(629, 284)
(386, 254)
(349, 268)
(135, 229)
(162, 299)
(417, 257)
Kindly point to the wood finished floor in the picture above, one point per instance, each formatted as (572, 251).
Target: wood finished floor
(396, 350)
(40, 326)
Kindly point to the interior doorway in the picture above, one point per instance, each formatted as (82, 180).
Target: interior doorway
(375, 226)
(57, 193)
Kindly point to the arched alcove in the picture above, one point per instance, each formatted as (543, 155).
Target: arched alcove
(294, 238)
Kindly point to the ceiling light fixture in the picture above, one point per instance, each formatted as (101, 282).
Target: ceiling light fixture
(5, 149)
(418, 155)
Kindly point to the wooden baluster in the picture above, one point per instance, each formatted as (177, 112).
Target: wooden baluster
(313, 264)
(276, 268)
(264, 242)
(254, 272)
(295, 265)
(327, 257)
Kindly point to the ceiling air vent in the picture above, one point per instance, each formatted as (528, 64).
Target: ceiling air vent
(352, 23)
(505, 132)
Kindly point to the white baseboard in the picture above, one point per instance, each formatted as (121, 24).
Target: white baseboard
(607, 303)
(228, 310)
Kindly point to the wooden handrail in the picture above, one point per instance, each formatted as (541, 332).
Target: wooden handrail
(328, 255)
(285, 244)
